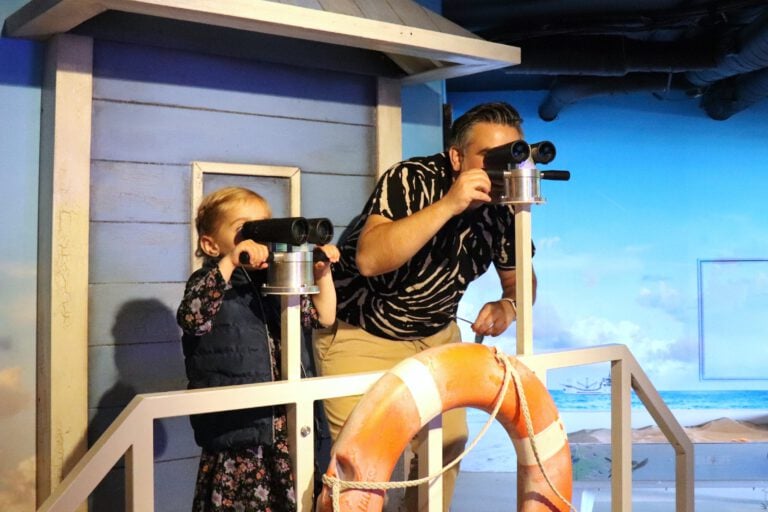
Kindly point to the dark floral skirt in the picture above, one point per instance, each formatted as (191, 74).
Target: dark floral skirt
(256, 478)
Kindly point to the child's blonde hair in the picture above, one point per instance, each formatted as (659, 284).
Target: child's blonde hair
(213, 207)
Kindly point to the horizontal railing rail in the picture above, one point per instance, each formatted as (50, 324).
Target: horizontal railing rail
(131, 434)
(627, 375)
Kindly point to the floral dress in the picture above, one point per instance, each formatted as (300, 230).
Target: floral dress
(256, 478)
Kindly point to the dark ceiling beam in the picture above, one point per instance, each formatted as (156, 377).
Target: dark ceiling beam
(567, 91)
(748, 52)
(713, 49)
(728, 97)
(611, 56)
(511, 22)
(740, 78)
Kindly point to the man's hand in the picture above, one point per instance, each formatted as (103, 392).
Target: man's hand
(494, 318)
(469, 189)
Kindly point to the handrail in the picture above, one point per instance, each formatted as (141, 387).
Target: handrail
(131, 432)
(627, 375)
(133, 429)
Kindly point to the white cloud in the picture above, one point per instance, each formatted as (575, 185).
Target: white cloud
(549, 242)
(638, 249)
(17, 487)
(663, 296)
(13, 397)
(672, 360)
(592, 330)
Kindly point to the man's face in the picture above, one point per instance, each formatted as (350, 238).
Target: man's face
(482, 137)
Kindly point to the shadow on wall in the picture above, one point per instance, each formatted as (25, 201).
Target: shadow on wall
(134, 318)
(148, 358)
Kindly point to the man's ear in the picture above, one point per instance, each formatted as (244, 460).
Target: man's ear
(455, 156)
(209, 246)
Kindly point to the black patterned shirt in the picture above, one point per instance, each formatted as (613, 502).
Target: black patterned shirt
(421, 297)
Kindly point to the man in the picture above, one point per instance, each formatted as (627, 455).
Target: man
(427, 231)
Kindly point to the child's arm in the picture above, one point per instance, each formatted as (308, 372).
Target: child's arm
(255, 253)
(202, 300)
(205, 289)
(325, 300)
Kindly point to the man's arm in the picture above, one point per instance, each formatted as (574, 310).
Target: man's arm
(495, 317)
(508, 279)
(385, 245)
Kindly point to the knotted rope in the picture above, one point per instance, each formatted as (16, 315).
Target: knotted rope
(510, 373)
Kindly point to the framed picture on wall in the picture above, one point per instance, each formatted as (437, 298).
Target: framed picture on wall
(732, 321)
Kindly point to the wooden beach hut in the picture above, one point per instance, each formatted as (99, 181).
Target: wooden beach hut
(149, 103)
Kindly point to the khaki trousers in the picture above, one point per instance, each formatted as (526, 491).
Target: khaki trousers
(349, 349)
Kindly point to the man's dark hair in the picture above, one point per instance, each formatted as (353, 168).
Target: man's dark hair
(497, 113)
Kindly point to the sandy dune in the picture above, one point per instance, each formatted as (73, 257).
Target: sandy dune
(721, 430)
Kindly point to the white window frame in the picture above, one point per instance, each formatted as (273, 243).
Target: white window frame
(200, 169)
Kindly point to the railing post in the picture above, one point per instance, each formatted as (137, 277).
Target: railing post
(684, 480)
(430, 459)
(684, 448)
(524, 277)
(140, 471)
(621, 437)
(300, 414)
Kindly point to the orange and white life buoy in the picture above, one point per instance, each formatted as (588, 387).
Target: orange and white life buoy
(419, 388)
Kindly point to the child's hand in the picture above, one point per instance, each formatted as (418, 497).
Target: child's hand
(323, 267)
(249, 254)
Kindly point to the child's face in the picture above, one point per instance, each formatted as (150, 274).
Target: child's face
(227, 235)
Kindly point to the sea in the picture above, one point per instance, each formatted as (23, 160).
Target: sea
(494, 451)
(719, 399)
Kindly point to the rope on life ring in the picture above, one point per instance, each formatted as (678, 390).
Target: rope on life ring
(407, 397)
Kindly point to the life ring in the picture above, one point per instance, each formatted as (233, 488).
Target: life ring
(419, 388)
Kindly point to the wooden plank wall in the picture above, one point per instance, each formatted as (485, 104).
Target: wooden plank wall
(154, 112)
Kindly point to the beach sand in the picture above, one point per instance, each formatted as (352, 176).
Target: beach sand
(731, 474)
(494, 452)
(720, 430)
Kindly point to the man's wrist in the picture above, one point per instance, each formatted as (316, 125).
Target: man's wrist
(511, 301)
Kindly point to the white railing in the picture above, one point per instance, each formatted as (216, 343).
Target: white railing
(627, 375)
(131, 434)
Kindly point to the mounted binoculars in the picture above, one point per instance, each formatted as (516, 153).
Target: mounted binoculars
(289, 272)
(289, 230)
(517, 152)
(512, 170)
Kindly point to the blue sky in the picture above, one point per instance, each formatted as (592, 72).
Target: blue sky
(655, 188)
(19, 148)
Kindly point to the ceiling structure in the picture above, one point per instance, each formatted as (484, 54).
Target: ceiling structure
(424, 45)
(712, 53)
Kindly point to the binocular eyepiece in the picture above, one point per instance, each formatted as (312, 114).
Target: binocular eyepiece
(543, 152)
(517, 152)
(320, 231)
(289, 230)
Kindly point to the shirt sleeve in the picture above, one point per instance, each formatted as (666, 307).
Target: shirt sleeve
(202, 300)
(401, 191)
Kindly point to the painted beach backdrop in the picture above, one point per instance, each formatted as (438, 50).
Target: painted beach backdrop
(733, 417)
